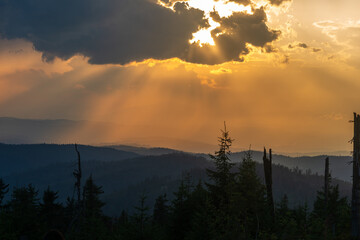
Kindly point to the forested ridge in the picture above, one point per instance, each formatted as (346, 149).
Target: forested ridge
(227, 201)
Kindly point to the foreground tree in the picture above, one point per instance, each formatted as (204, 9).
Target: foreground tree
(249, 201)
(23, 213)
(92, 222)
(181, 211)
(4, 189)
(52, 212)
(222, 179)
(330, 214)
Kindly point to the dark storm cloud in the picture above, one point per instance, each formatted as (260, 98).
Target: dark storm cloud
(243, 2)
(122, 31)
(303, 45)
(300, 45)
(107, 31)
(232, 36)
(278, 2)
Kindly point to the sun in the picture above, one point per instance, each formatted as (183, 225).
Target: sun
(224, 8)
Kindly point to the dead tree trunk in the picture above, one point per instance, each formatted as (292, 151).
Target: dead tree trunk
(355, 201)
(267, 162)
(326, 192)
(77, 174)
(78, 206)
(327, 179)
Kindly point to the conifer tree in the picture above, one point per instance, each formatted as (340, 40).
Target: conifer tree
(139, 227)
(161, 217)
(124, 217)
(332, 208)
(141, 216)
(180, 211)
(24, 212)
(161, 210)
(92, 225)
(51, 211)
(250, 201)
(4, 189)
(221, 177)
(221, 188)
(92, 202)
(202, 225)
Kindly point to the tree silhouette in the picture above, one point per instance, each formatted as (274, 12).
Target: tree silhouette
(221, 177)
(4, 189)
(51, 211)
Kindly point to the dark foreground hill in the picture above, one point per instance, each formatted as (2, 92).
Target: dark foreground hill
(125, 180)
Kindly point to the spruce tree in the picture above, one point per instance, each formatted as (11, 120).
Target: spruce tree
(92, 222)
(4, 189)
(139, 227)
(336, 214)
(221, 177)
(161, 210)
(92, 202)
(161, 217)
(249, 201)
(180, 212)
(52, 212)
(24, 213)
(221, 188)
(203, 214)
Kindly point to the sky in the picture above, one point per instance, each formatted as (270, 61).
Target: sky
(282, 74)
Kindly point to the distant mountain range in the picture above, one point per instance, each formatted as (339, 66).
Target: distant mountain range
(29, 131)
(20, 131)
(126, 171)
(340, 165)
(124, 175)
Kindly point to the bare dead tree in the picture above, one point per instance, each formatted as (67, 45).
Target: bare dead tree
(267, 162)
(74, 223)
(355, 201)
(77, 175)
(326, 192)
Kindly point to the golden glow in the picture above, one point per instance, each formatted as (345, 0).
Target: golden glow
(294, 100)
(224, 8)
(203, 36)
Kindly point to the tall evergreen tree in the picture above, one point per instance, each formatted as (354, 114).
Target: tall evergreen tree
(92, 222)
(202, 226)
(161, 210)
(180, 212)
(92, 203)
(51, 211)
(221, 177)
(24, 213)
(336, 212)
(141, 216)
(139, 227)
(249, 201)
(161, 217)
(221, 187)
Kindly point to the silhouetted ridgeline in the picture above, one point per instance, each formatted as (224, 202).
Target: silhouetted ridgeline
(24, 157)
(340, 166)
(125, 175)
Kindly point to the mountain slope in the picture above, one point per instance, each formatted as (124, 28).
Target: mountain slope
(123, 181)
(18, 158)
